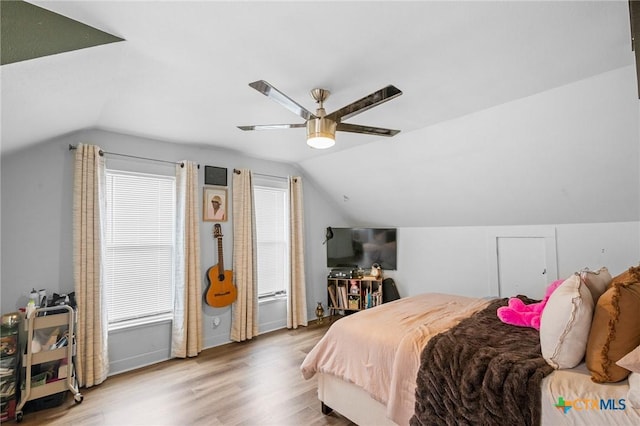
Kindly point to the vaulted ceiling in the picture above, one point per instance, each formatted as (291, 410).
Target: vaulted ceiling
(182, 72)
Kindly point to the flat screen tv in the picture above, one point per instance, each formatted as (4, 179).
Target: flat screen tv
(362, 247)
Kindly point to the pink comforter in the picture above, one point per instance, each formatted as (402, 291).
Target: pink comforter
(379, 349)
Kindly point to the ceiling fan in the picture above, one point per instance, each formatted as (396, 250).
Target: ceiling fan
(321, 127)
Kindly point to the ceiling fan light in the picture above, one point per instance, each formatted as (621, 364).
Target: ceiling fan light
(320, 142)
(321, 133)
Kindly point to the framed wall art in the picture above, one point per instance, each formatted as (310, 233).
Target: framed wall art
(214, 201)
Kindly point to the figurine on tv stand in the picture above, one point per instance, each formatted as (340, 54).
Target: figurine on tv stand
(376, 271)
(354, 287)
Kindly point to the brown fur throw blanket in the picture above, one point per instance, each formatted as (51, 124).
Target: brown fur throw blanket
(481, 372)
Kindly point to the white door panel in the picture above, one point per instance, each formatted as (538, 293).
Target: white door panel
(522, 266)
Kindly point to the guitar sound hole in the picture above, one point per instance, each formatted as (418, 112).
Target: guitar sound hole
(221, 277)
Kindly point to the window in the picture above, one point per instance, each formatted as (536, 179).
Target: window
(139, 246)
(271, 197)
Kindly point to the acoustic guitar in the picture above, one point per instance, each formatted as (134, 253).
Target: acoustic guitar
(221, 291)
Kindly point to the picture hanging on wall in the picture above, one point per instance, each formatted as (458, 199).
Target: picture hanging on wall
(214, 206)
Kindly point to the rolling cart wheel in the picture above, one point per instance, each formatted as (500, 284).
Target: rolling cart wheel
(19, 416)
(78, 398)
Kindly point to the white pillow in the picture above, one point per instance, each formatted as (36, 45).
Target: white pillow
(634, 390)
(631, 361)
(596, 281)
(565, 324)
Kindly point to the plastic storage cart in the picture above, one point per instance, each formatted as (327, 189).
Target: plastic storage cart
(9, 364)
(59, 352)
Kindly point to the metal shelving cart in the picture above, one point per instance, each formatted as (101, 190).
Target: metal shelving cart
(9, 364)
(62, 316)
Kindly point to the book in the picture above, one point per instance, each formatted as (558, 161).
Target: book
(332, 295)
(343, 296)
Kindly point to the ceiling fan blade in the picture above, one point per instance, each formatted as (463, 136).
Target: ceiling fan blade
(271, 126)
(361, 105)
(367, 130)
(273, 93)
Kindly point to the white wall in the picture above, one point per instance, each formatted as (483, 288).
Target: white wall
(36, 236)
(567, 158)
(458, 259)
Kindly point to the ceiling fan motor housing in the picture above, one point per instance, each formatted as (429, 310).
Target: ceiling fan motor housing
(321, 128)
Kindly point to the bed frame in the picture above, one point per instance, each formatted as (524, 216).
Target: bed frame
(350, 401)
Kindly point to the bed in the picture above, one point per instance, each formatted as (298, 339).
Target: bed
(370, 366)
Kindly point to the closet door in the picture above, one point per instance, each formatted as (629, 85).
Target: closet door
(522, 260)
(522, 266)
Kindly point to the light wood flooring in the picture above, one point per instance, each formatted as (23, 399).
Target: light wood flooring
(257, 382)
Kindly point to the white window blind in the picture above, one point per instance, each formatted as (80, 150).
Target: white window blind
(272, 235)
(139, 243)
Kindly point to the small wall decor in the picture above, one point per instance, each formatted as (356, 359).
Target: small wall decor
(214, 200)
(215, 175)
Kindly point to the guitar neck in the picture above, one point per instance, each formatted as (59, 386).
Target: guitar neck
(220, 257)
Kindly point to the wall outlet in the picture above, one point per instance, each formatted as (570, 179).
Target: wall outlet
(216, 321)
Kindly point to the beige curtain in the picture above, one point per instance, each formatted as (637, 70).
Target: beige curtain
(186, 338)
(244, 323)
(297, 300)
(92, 360)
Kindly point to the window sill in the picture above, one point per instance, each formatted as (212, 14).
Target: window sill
(272, 299)
(141, 322)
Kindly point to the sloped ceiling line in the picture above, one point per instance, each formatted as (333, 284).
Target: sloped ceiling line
(30, 32)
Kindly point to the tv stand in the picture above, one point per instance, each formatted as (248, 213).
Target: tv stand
(353, 294)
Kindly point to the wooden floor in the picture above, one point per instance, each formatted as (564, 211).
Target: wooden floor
(252, 383)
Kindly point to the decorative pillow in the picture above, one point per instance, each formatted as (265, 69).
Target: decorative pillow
(631, 361)
(631, 275)
(634, 390)
(596, 281)
(615, 330)
(565, 323)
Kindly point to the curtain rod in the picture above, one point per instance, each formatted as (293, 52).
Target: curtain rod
(236, 171)
(102, 153)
